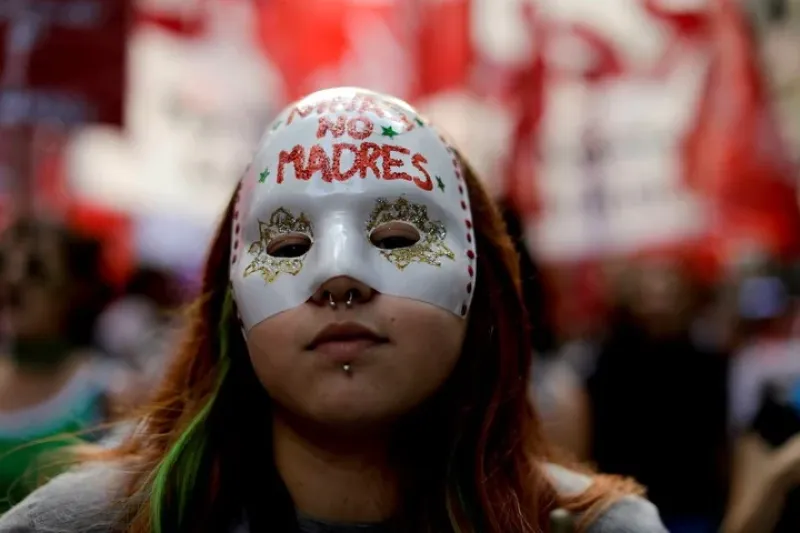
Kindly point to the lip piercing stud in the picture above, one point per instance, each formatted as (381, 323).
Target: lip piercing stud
(331, 301)
(346, 368)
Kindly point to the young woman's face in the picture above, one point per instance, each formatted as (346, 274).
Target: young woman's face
(353, 258)
(402, 352)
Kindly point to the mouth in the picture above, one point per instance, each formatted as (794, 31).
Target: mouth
(344, 342)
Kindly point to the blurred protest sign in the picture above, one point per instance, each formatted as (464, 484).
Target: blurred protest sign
(642, 128)
(735, 155)
(197, 103)
(62, 61)
(619, 106)
(604, 100)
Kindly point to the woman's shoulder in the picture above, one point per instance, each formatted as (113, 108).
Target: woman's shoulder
(630, 514)
(84, 500)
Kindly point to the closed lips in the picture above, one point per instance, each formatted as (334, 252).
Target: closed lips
(345, 332)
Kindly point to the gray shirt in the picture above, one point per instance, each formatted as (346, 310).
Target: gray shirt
(85, 501)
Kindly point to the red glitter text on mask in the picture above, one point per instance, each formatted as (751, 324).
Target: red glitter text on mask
(359, 104)
(384, 160)
(359, 127)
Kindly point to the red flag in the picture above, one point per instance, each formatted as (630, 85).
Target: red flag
(444, 44)
(735, 155)
(186, 23)
(687, 23)
(322, 43)
(527, 95)
(603, 62)
(408, 48)
(114, 230)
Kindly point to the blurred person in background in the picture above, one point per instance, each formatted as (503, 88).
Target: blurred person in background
(656, 400)
(52, 381)
(555, 386)
(765, 409)
(139, 328)
(354, 364)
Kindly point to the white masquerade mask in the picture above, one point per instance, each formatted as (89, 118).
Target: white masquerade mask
(337, 178)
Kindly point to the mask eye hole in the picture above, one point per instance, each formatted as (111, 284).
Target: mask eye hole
(290, 245)
(394, 235)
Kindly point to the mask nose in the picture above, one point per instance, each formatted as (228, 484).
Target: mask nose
(339, 250)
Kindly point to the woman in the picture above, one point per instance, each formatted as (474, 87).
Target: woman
(140, 327)
(555, 385)
(51, 381)
(372, 381)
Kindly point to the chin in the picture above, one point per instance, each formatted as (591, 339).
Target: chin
(347, 420)
(355, 409)
(369, 397)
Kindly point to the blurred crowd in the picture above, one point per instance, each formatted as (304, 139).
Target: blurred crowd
(690, 387)
(76, 352)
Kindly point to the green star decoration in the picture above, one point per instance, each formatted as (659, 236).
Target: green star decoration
(440, 183)
(419, 121)
(263, 176)
(388, 131)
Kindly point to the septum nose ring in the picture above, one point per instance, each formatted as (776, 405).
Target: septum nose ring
(348, 303)
(346, 368)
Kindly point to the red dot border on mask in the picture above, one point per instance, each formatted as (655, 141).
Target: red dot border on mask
(468, 224)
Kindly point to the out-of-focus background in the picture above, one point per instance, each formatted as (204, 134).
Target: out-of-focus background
(644, 153)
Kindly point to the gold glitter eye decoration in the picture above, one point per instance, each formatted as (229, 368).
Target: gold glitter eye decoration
(283, 242)
(394, 235)
(388, 228)
(289, 245)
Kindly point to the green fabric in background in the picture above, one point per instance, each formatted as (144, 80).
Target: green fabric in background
(28, 458)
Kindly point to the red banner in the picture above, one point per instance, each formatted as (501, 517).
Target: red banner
(409, 48)
(444, 46)
(62, 61)
(113, 229)
(187, 19)
(735, 155)
(734, 160)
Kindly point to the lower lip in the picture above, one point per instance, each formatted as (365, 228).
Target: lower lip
(345, 351)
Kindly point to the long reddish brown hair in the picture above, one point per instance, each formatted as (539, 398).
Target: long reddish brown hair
(476, 454)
